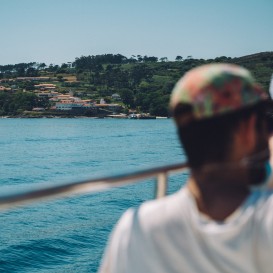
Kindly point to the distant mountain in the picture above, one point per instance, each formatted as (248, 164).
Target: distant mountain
(258, 57)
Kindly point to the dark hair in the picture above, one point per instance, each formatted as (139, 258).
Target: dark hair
(208, 140)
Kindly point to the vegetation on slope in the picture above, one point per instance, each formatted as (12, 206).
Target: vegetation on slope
(144, 83)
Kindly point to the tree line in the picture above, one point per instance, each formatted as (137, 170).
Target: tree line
(90, 62)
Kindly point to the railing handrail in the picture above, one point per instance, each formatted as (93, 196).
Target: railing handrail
(93, 185)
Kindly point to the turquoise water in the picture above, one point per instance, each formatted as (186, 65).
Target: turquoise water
(69, 235)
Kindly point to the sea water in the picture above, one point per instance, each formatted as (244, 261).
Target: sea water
(70, 234)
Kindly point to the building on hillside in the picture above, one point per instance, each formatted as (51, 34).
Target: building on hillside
(7, 80)
(116, 97)
(45, 86)
(113, 108)
(66, 97)
(68, 106)
(3, 88)
(57, 97)
(68, 103)
(47, 94)
(41, 79)
(38, 109)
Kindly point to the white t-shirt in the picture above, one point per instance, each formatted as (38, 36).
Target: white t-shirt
(170, 235)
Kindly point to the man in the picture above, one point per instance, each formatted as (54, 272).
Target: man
(222, 220)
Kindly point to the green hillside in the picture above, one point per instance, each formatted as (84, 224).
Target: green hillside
(143, 83)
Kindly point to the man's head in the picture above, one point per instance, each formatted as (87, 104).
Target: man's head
(209, 104)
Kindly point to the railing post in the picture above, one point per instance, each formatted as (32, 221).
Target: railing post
(161, 185)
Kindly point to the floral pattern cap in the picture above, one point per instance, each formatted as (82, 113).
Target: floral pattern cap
(216, 89)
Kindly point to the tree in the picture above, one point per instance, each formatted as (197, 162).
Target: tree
(159, 105)
(12, 104)
(64, 66)
(163, 59)
(29, 86)
(60, 78)
(127, 97)
(138, 73)
(139, 58)
(132, 59)
(31, 72)
(147, 59)
(53, 68)
(41, 66)
(179, 58)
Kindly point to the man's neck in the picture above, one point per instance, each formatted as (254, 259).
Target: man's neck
(217, 196)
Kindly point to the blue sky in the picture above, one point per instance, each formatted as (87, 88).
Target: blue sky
(58, 31)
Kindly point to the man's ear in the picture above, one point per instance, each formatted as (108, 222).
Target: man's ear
(247, 132)
(183, 114)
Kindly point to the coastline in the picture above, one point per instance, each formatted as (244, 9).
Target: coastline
(75, 117)
(75, 114)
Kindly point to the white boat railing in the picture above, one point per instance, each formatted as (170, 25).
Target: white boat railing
(93, 185)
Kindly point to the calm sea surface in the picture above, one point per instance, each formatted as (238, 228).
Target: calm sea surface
(69, 235)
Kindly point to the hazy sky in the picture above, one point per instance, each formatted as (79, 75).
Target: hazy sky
(58, 31)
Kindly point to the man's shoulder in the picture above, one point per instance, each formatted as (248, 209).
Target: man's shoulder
(142, 233)
(157, 214)
(262, 200)
(166, 206)
(256, 210)
(261, 197)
